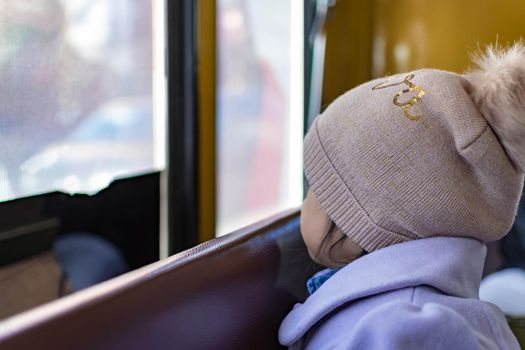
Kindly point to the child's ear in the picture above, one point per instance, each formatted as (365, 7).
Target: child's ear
(330, 249)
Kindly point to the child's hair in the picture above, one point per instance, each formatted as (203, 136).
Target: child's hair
(326, 236)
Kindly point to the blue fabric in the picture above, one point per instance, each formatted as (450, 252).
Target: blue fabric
(88, 259)
(318, 279)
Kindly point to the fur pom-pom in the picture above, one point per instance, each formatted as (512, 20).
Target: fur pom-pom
(498, 89)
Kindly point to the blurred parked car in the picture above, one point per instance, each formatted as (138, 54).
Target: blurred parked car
(115, 140)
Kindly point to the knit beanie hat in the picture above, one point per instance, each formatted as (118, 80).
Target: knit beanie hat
(422, 154)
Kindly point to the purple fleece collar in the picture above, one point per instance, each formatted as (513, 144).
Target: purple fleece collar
(453, 265)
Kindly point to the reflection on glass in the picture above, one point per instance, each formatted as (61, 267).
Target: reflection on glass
(76, 94)
(259, 109)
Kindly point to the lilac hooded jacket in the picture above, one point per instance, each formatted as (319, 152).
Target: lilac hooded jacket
(422, 294)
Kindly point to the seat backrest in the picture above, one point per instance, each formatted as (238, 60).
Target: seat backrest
(228, 293)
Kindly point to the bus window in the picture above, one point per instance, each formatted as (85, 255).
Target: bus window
(259, 109)
(80, 96)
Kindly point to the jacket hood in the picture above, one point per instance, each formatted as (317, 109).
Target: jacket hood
(454, 265)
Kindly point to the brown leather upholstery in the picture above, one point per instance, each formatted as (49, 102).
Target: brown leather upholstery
(228, 293)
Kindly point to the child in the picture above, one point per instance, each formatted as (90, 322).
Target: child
(408, 178)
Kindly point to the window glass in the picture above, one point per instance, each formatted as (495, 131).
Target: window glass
(260, 109)
(80, 93)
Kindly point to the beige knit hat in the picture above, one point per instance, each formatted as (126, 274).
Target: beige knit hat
(422, 154)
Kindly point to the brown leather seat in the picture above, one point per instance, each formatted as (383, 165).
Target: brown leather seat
(228, 293)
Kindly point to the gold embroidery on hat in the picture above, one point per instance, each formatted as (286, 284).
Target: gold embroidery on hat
(405, 81)
(408, 104)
